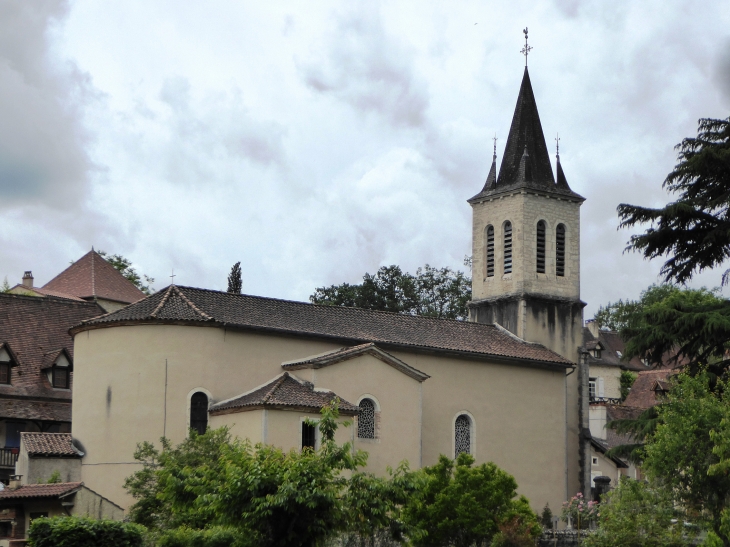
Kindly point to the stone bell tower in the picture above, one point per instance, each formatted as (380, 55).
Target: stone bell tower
(526, 259)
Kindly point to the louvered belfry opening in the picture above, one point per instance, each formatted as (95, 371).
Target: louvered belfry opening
(560, 250)
(490, 251)
(541, 246)
(507, 247)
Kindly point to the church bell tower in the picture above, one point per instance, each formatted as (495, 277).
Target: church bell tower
(526, 263)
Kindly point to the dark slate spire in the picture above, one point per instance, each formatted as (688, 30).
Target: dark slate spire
(526, 143)
(562, 181)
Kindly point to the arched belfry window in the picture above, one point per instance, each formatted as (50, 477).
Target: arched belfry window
(366, 420)
(541, 246)
(199, 412)
(560, 250)
(507, 247)
(462, 435)
(490, 251)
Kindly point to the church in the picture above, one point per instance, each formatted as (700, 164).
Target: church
(506, 386)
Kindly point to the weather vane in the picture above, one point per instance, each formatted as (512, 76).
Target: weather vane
(495, 146)
(527, 49)
(557, 144)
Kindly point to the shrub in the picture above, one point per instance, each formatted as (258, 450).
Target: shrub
(212, 537)
(84, 532)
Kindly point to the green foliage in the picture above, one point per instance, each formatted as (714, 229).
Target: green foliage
(580, 511)
(235, 284)
(465, 506)
(432, 292)
(5, 287)
(54, 478)
(83, 532)
(546, 517)
(626, 380)
(124, 266)
(618, 316)
(635, 514)
(639, 430)
(213, 537)
(694, 231)
(687, 453)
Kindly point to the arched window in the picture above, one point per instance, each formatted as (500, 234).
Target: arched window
(560, 250)
(490, 251)
(541, 246)
(199, 412)
(462, 435)
(507, 247)
(366, 420)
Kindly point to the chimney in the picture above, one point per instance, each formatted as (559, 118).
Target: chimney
(15, 482)
(28, 279)
(593, 327)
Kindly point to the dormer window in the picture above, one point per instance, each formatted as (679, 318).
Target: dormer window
(597, 353)
(57, 366)
(60, 377)
(7, 362)
(4, 372)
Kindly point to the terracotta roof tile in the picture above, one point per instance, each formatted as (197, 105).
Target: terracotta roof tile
(350, 325)
(285, 391)
(92, 276)
(41, 490)
(45, 410)
(642, 394)
(49, 444)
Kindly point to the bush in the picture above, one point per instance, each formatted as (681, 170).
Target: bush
(84, 532)
(212, 537)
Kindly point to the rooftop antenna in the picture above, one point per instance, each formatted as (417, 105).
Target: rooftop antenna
(526, 50)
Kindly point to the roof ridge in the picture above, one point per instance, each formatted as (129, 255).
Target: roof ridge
(192, 305)
(270, 393)
(163, 301)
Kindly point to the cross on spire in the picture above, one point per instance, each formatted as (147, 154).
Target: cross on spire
(172, 277)
(495, 146)
(526, 50)
(557, 144)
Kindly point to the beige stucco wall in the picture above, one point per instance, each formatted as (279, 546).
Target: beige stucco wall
(121, 377)
(88, 503)
(244, 425)
(37, 470)
(524, 210)
(397, 396)
(597, 421)
(603, 466)
(611, 379)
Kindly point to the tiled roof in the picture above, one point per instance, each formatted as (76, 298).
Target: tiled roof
(33, 327)
(643, 394)
(620, 412)
(92, 276)
(38, 291)
(343, 354)
(49, 444)
(189, 305)
(283, 392)
(526, 161)
(612, 352)
(602, 446)
(44, 410)
(55, 490)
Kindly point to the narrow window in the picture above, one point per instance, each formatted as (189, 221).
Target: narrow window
(560, 250)
(462, 435)
(490, 251)
(541, 247)
(60, 377)
(199, 412)
(308, 435)
(592, 389)
(4, 373)
(507, 247)
(366, 420)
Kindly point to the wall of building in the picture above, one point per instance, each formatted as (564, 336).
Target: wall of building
(244, 425)
(133, 383)
(88, 503)
(603, 466)
(611, 380)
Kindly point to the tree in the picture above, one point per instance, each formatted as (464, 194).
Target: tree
(463, 505)
(234, 279)
(124, 266)
(626, 380)
(5, 287)
(694, 231)
(432, 292)
(684, 455)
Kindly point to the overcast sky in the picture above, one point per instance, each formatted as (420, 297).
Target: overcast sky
(317, 141)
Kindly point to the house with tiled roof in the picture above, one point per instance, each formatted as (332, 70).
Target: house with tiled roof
(36, 367)
(90, 278)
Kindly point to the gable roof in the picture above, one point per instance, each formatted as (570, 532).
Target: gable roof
(55, 490)
(613, 349)
(343, 354)
(602, 447)
(33, 327)
(93, 277)
(49, 444)
(353, 326)
(526, 162)
(11, 354)
(643, 393)
(285, 392)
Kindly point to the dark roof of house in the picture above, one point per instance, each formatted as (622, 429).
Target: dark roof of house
(619, 412)
(343, 354)
(284, 392)
(93, 277)
(49, 444)
(612, 350)
(643, 393)
(55, 490)
(35, 328)
(38, 291)
(188, 305)
(526, 161)
(58, 410)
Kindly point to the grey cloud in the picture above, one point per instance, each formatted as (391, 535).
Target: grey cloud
(42, 142)
(369, 70)
(722, 73)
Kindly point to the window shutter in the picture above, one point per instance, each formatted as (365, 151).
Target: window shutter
(600, 387)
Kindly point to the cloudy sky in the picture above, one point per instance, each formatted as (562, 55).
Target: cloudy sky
(315, 141)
